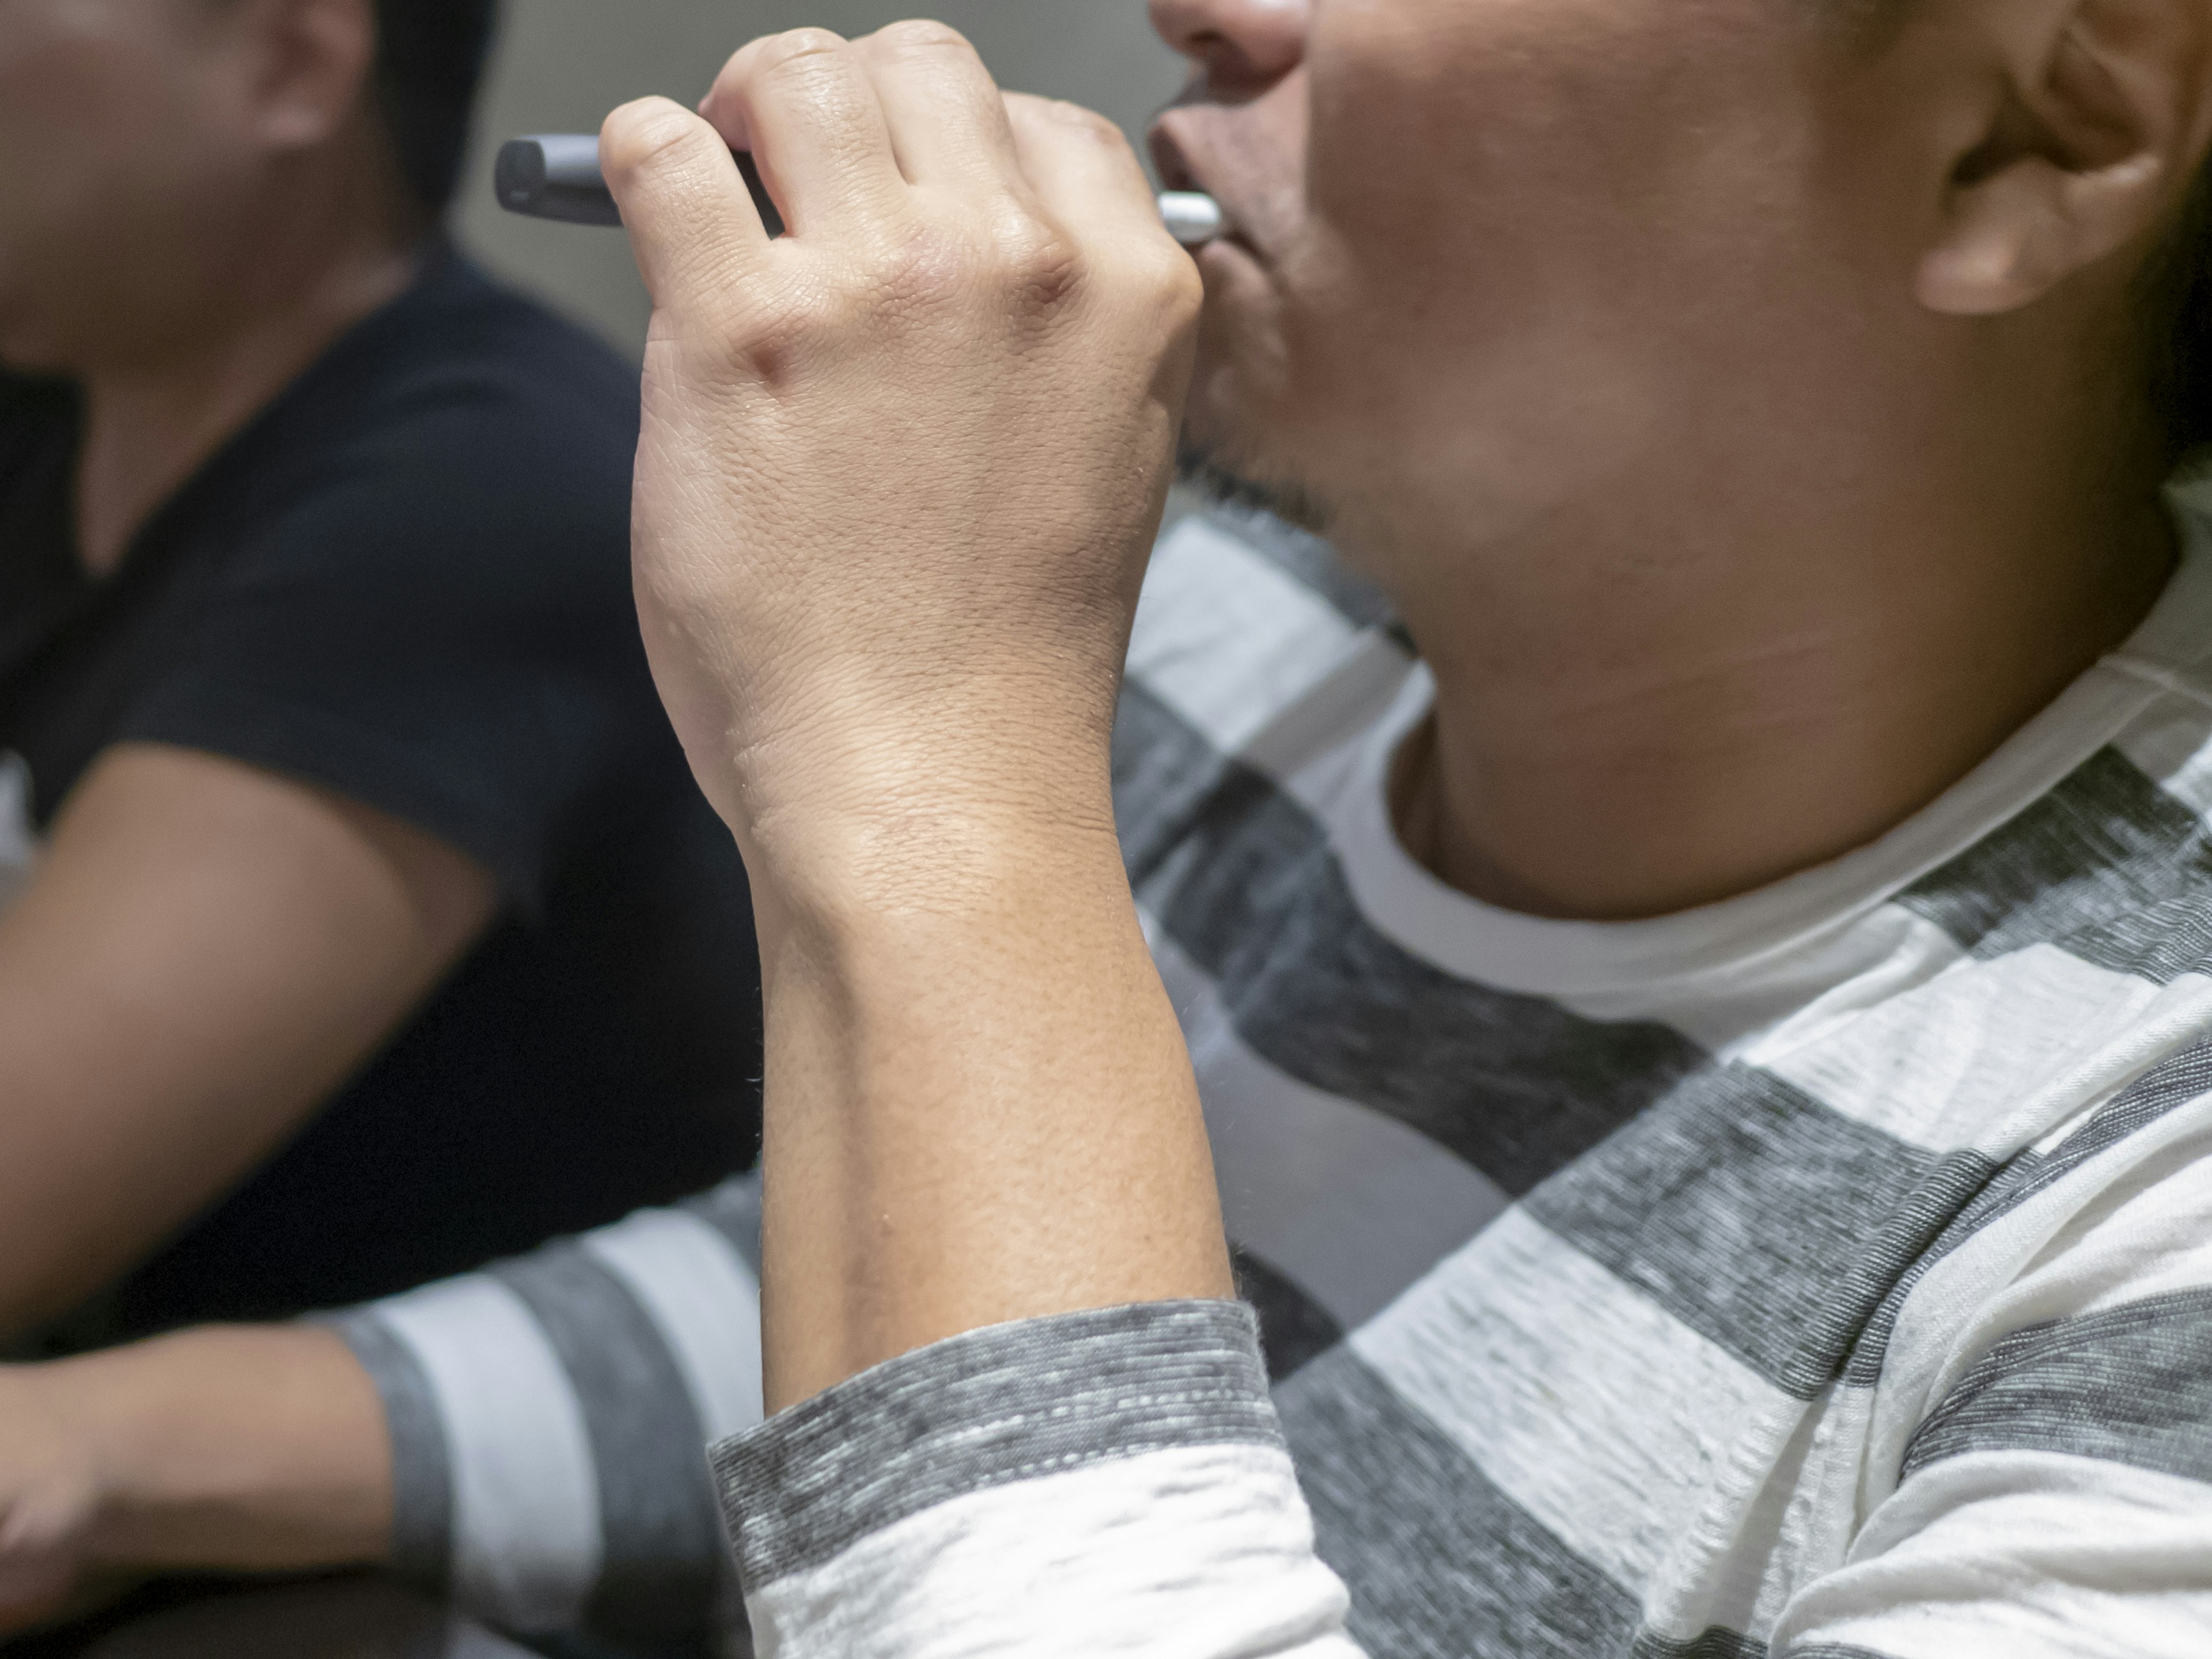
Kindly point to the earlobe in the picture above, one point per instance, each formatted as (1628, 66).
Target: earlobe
(2090, 150)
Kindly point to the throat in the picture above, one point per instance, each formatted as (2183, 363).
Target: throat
(1589, 794)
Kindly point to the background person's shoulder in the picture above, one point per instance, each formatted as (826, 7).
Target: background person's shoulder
(461, 350)
(462, 432)
(33, 415)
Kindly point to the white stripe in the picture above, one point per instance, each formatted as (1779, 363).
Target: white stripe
(2132, 1222)
(1203, 1552)
(1769, 1004)
(1225, 638)
(1351, 1205)
(1952, 1062)
(527, 1539)
(1520, 1346)
(2168, 743)
(2031, 1555)
(705, 1302)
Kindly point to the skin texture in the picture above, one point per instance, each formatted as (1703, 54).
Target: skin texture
(1737, 408)
(193, 203)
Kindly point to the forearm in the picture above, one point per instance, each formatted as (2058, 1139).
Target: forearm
(979, 1108)
(252, 1449)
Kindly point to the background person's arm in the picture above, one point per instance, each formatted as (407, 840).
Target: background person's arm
(206, 950)
(355, 1440)
(253, 1449)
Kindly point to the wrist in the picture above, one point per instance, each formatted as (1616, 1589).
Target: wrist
(849, 869)
(246, 1449)
(117, 1418)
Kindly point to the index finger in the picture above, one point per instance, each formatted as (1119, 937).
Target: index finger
(692, 223)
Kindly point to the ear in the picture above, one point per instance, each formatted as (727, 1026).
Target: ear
(313, 64)
(2086, 140)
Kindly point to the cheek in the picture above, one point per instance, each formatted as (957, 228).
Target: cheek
(1526, 216)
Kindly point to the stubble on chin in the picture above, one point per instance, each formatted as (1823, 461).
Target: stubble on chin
(1228, 480)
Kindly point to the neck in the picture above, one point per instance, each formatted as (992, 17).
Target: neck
(1632, 720)
(327, 256)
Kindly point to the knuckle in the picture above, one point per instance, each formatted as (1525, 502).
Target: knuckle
(1038, 265)
(920, 266)
(920, 36)
(803, 43)
(798, 54)
(767, 341)
(637, 137)
(1083, 123)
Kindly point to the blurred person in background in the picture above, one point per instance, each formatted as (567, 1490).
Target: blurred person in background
(363, 922)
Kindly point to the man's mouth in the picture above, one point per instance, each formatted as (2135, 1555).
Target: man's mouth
(1176, 173)
(1168, 160)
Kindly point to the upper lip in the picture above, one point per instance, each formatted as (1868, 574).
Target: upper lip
(1168, 159)
(1176, 172)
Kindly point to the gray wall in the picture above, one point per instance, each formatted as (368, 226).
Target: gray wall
(560, 64)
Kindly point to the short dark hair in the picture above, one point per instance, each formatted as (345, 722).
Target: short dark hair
(429, 60)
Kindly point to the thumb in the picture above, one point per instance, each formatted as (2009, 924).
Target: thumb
(692, 223)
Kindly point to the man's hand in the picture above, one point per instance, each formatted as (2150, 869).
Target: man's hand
(899, 473)
(900, 469)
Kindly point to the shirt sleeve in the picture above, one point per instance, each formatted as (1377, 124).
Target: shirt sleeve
(1105, 1482)
(436, 623)
(2054, 1497)
(548, 1419)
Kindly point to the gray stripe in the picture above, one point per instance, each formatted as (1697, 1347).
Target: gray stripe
(733, 1210)
(991, 1409)
(1294, 1328)
(1308, 559)
(1441, 1563)
(2172, 1083)
(1833, 1651)
(1718, 1643)
(1244, 881)
(421, 1462)
(663, 1539)
(2107, 865)
(1766, 1222)
(2131, 1385)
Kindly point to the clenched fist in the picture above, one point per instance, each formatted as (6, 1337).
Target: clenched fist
(900, 469)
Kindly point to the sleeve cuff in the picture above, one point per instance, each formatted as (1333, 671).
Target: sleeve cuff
(421, 1476)
(989, 1408)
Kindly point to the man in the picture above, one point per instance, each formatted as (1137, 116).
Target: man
(1723, 1029)
(365, 924)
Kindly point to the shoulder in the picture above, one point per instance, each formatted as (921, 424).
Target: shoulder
(478, 388)
(34, 415)
(464, 438)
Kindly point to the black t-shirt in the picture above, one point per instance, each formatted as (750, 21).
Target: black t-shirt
(407, 580)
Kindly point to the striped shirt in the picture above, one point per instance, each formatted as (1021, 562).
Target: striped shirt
(1826, 1272)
